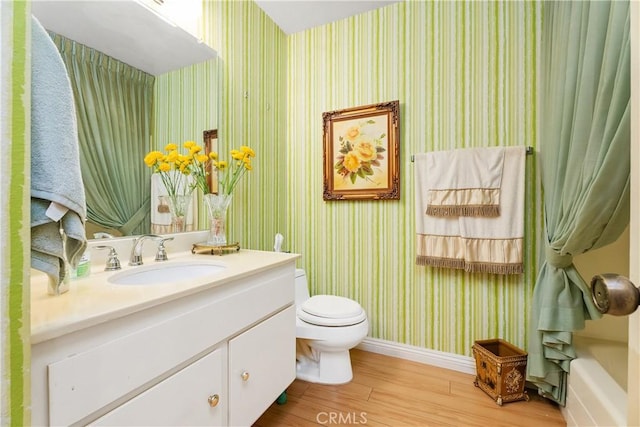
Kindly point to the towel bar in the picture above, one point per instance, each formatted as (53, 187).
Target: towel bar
(529, 151)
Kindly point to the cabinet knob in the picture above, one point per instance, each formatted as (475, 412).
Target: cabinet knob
(213, 400)
(244, 376)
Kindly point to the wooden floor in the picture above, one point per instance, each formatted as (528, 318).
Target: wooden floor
(387, 391)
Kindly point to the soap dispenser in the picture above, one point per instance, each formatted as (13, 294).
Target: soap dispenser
(84, 265)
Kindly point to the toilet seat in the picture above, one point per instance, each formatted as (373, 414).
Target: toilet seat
(331, 310)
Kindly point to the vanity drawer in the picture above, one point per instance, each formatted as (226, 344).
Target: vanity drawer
(181, 399)
(92, 380)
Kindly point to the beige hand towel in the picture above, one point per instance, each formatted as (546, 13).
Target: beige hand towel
(496, 245)
(476, 244)
(438, 242)
(160, 212)
(464, 182)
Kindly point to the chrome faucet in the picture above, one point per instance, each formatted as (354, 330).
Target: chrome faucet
(113, 263)
(161, 255)
(136, 250)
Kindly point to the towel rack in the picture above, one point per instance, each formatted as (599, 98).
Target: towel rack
(529, 151)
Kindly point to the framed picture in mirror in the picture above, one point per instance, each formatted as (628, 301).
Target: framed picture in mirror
(210, 138)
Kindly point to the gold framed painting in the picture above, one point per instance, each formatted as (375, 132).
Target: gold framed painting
(362, 153)
(210, 138)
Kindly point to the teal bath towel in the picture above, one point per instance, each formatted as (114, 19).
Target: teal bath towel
(58, 206)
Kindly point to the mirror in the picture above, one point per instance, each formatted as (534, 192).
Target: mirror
(162, 220)
(133, 33)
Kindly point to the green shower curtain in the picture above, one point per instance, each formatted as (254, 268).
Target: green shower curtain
(584, 145)
(114, 103)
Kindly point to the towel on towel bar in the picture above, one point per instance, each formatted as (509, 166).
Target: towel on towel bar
(464, 182)
(160, 213)
(474, 243)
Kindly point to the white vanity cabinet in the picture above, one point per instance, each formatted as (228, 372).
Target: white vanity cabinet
(216, 355)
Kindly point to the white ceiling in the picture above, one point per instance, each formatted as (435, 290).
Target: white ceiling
(133, 34)
(293, 16)
(125, 30)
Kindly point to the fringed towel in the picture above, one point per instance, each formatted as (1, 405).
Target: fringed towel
(58, 208)
(464, 182)
(474, 243)
(160, 211)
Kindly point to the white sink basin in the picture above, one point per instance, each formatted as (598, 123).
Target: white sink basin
(166, 272)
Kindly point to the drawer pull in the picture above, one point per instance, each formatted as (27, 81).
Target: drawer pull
(245, 376)
(213, 400)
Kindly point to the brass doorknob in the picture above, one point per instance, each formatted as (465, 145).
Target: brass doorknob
(213, 400)
(244, 376)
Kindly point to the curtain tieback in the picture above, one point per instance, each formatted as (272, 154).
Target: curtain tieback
(127, 228)
(557, 260)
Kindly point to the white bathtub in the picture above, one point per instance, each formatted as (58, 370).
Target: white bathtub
(596, 391)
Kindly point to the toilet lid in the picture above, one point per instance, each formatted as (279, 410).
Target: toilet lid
(331, 310)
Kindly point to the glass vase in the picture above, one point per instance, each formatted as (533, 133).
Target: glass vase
(217, 206)
(179, 206)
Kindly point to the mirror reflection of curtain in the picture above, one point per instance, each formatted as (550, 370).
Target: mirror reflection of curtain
(114, 102)
(584, 146)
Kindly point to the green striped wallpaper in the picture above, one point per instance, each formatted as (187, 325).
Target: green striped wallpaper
(465, 74)
(186, 103)
(14, 231)
(240, 93)
(252, 53)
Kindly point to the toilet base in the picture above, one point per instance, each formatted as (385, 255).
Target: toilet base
(329, 367)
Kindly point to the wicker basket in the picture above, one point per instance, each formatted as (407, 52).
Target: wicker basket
(500, 370)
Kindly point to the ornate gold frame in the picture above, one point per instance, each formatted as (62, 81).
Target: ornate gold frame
(362, 153)
(210, 138)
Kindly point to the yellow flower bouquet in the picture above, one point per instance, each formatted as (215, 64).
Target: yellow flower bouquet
(178, 174)
(174, 166)
(181, 173)
(229, 176)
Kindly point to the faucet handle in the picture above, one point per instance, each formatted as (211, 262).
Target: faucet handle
(113, 263)
(102, 235)
(161, 255)
(136, 249)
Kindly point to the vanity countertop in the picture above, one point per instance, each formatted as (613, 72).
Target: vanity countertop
(92, 300)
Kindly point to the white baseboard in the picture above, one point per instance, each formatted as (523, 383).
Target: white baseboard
(440, 359)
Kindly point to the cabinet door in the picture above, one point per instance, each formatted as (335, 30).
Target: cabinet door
(262, 364)
(192, 396)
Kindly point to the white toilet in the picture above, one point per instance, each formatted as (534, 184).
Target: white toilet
(327, 327)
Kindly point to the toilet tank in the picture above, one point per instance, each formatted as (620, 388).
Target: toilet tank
(302, 287)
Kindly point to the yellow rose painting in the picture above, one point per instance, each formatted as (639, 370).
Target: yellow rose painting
(360, 153)
(352, 133)
(365, 150)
